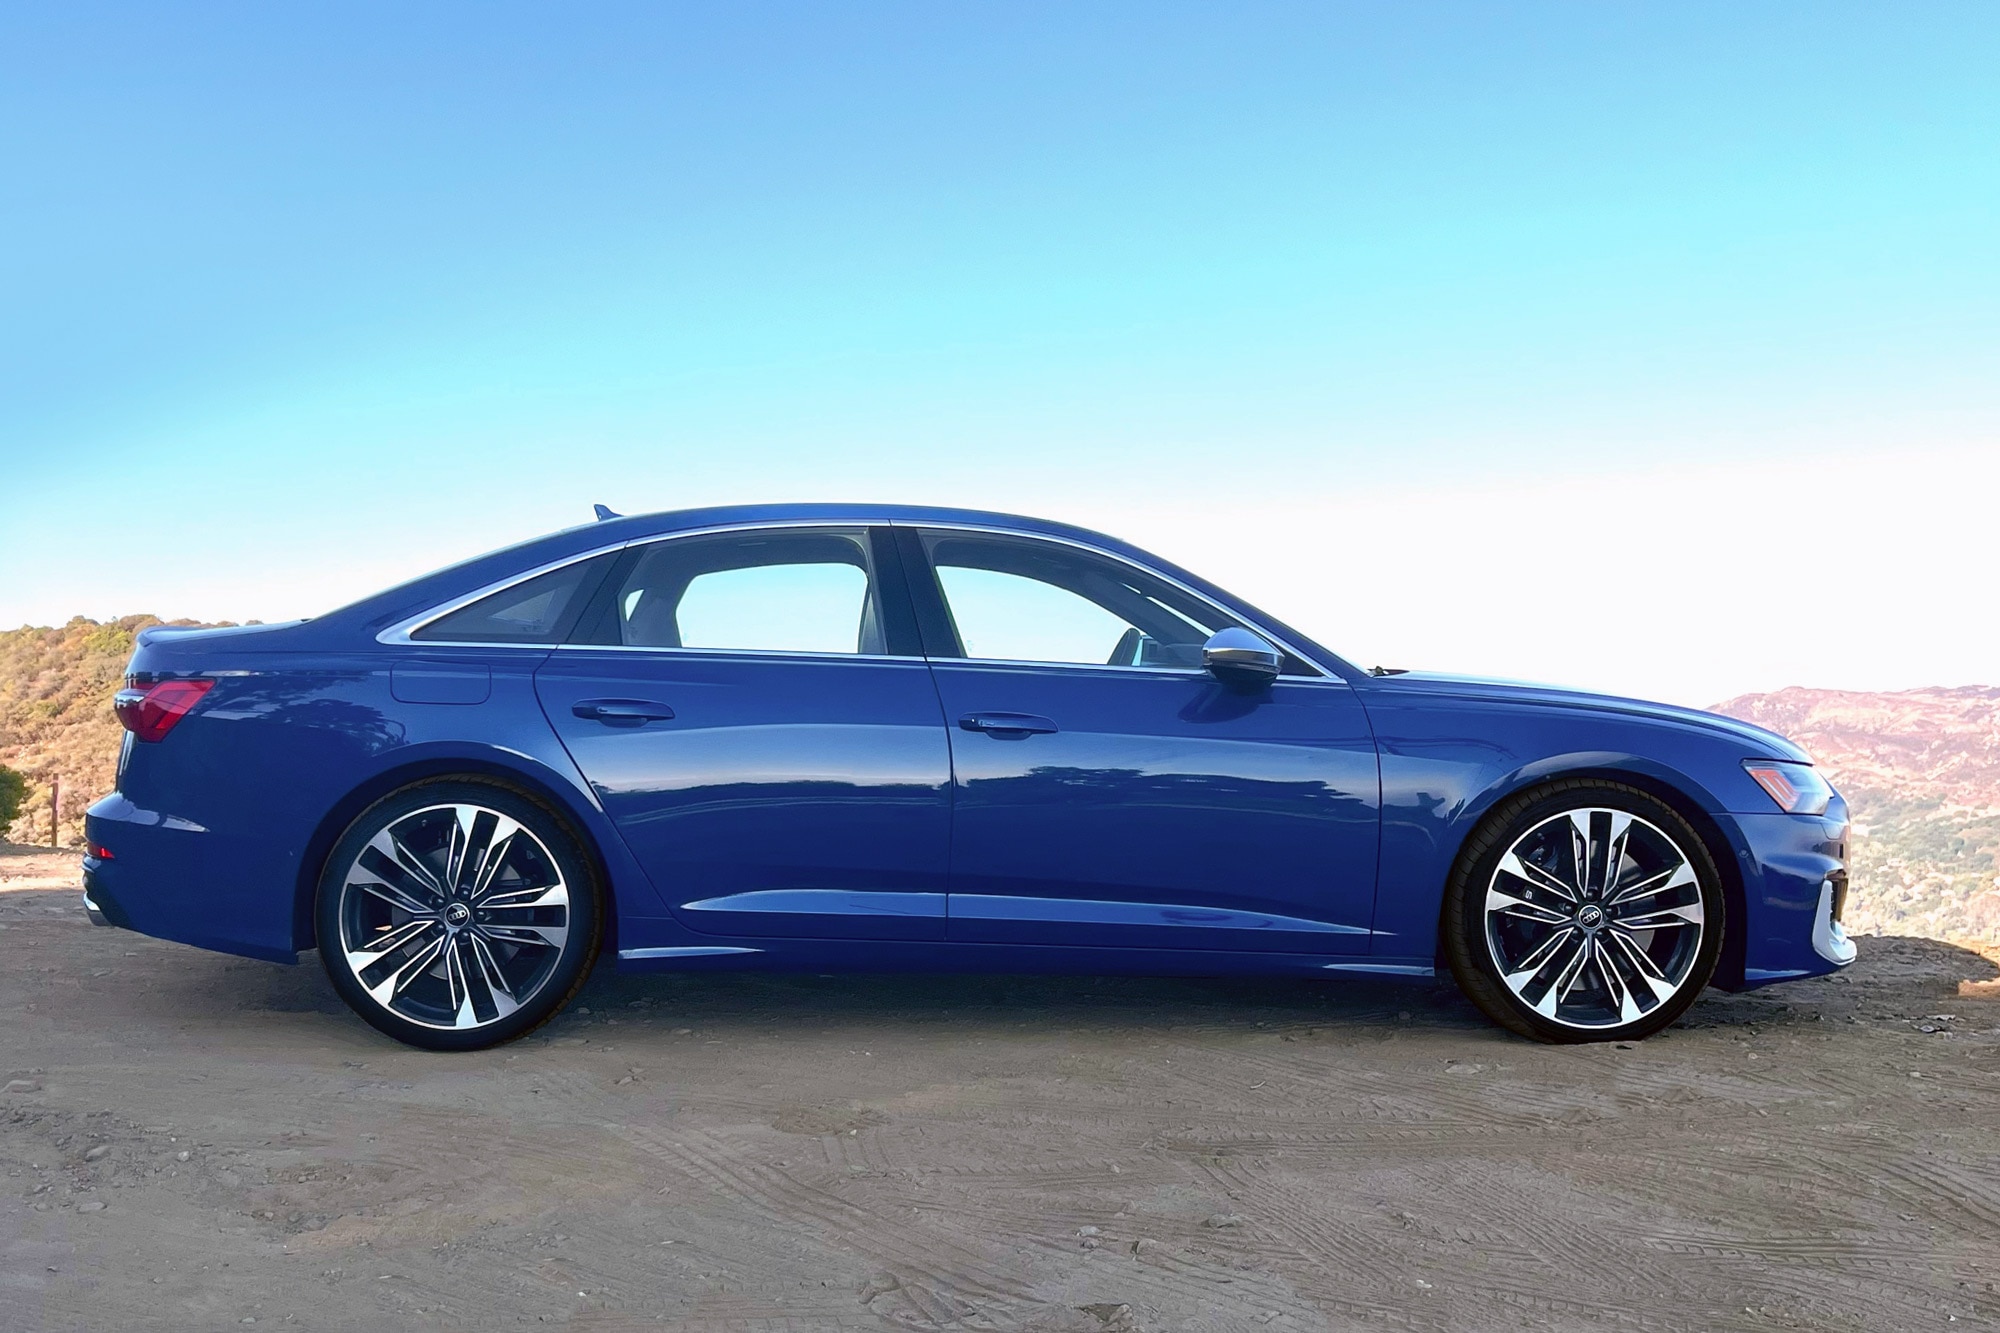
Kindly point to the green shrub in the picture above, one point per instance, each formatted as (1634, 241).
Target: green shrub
(13, 792)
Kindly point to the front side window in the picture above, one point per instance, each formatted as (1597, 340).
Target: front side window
(798, 591)
(1015, 599)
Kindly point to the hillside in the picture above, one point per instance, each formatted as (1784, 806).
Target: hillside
(55, 715)
(1921, 769)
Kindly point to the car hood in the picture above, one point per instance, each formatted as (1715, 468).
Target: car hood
(1769, 744)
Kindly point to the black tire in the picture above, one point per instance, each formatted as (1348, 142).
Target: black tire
(508, 954)
(1493, 926)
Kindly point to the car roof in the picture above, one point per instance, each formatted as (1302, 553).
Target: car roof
(630, 527)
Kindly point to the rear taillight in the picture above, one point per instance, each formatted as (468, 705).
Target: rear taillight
(150, 712)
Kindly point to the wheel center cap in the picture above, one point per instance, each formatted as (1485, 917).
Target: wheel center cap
(457, 914)
(1590, 916)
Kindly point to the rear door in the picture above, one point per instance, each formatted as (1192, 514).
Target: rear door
(1109, 791)
(753, 710)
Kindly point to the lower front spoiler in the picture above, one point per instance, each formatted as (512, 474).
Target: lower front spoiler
(1829, 936)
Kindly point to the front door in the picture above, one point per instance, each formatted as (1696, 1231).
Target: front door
(772, 755)
(1109, 791)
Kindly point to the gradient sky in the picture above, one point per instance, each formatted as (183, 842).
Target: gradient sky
(1651, 348)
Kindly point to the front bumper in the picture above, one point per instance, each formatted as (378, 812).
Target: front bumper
(1794, 874)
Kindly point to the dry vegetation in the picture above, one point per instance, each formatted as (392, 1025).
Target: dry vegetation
(55, 716)
(1921, 769)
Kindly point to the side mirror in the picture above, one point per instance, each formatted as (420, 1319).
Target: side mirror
(1241, 660)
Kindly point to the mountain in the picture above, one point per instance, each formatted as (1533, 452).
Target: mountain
(1921, 770)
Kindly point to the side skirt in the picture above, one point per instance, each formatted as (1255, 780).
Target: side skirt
(796, 955)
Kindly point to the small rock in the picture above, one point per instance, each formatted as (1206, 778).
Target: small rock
(91, 1206)
(1217, 1221)
(1091, 1242)
(583, 1011)
(181, 1156)
(98, 1154)
(23, 1085)
(1089, 1231)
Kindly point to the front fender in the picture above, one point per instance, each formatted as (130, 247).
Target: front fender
(1447, 761)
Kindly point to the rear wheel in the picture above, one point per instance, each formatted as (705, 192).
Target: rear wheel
(1588, 911)
(457, 915)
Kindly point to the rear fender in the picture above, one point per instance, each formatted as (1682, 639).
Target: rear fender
(566, 793)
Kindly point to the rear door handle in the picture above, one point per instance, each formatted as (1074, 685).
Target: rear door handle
(1007, 724)
(621, 712)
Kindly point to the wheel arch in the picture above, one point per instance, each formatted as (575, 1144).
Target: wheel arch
(1676, 791)
(546, 790)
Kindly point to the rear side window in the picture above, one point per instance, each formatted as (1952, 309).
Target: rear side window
(782, 590)
(540, 610)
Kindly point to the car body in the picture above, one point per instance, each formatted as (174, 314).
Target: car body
(899, 804)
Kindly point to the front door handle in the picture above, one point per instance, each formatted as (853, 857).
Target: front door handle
(1007, 724)
(621, 712)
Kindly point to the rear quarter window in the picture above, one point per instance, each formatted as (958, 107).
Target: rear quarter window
(538, 610)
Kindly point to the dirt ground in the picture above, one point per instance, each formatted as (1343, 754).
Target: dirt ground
(194, 1141)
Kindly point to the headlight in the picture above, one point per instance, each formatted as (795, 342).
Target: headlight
(1797, 788)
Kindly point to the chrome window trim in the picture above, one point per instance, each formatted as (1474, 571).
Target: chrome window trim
(398, 634)
(733, 652)
(1319, 672)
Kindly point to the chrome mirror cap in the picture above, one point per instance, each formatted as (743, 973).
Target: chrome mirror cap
(1240, 659)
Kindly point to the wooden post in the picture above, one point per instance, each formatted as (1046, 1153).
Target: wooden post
(55, 812)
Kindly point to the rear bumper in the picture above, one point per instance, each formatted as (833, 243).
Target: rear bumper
(176, 880)
(95, 909)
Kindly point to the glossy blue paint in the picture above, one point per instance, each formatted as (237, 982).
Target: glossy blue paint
(823, 812)
(822, 780)
(1160, 810)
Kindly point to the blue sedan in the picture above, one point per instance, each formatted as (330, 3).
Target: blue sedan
(879, 738)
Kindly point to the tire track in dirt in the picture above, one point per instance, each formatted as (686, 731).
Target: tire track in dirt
(910, 1253)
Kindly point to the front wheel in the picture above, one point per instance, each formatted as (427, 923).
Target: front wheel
(457, 915)
(1590, 911)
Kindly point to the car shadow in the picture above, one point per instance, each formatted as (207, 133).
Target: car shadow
(1896, 978)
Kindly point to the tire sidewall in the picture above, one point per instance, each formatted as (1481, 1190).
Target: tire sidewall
(1464, 923)
(579, 949)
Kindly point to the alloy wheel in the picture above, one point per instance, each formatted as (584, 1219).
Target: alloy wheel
(453, 916)
(1594, 918)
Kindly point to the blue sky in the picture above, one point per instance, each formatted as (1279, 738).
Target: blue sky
(296, 300)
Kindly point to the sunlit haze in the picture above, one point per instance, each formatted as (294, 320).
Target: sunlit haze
(1649, 350)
